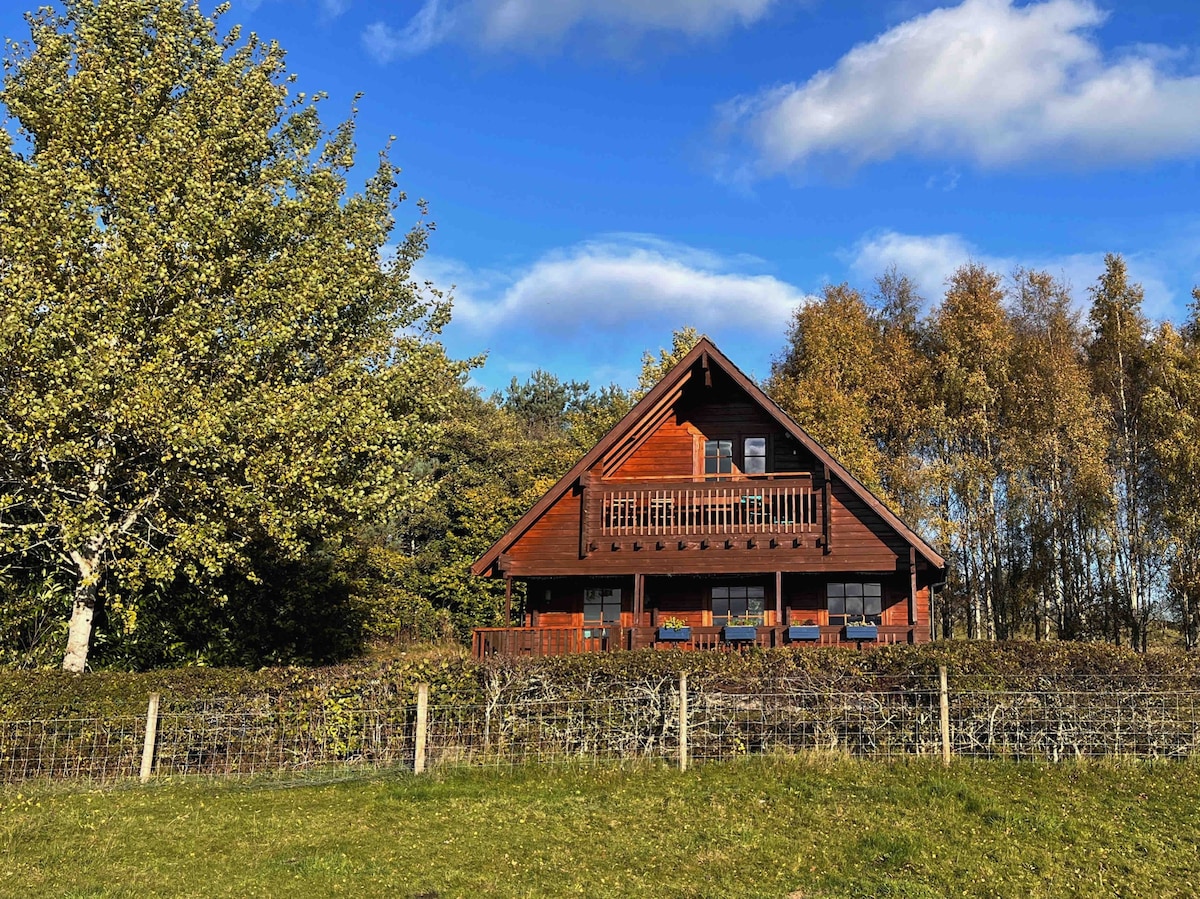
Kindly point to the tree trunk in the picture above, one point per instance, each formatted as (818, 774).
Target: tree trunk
(90, 564)
(79, 636)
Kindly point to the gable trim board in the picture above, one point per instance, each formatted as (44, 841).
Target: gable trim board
(630, 430)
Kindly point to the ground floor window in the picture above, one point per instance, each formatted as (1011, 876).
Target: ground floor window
(854, 602)
(602, 605)
(738, 603)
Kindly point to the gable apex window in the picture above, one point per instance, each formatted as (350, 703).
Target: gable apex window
(851, 602)
(718, 456)
(754, 455)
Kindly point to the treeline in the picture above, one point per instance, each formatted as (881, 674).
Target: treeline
(1048, 444)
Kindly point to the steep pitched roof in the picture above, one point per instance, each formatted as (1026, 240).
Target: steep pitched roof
(705, 352)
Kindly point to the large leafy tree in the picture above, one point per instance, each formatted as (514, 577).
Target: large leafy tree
(204, 344)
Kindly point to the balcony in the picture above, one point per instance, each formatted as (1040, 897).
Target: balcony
(770, 505)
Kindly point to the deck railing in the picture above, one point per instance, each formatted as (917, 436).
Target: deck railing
(701, 509)
(552, 641)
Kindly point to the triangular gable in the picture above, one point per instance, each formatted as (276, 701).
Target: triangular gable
(629, 431)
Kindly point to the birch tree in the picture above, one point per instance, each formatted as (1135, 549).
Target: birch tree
(202, 340)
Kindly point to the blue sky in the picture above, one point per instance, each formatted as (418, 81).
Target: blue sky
(603, 171)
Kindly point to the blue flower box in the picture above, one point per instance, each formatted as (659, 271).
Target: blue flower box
(862, 632)
(734, 632)
(674, 633)
(799, 632)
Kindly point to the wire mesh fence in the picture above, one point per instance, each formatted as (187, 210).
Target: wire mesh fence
(870, 720)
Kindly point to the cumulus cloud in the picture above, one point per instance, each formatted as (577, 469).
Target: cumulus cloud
(534, 25)
(609, 283)
(986, 81)
(930, 259)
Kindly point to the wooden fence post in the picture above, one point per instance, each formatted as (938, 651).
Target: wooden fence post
(683, 721)
(151, 737)
(944, 703)
(422, 727)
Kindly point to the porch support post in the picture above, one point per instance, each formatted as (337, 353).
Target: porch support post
(912, 586)
(507, 601)
(779, 599)
(639, 598)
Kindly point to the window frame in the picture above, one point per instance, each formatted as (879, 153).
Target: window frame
(764, 455)
(608, 597)
(722, 463)
(839, 594)
(743, 611)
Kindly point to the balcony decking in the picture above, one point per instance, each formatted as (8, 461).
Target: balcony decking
(784, 508)
(553, 641)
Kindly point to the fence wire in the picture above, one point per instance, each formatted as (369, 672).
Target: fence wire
(217, 739)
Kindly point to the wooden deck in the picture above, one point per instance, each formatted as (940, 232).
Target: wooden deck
(672, 509)
(537, 642)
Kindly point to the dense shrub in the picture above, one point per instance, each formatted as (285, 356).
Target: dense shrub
(455, 679)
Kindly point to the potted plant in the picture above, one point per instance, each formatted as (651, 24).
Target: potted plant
(862, 630)
(740, 629)
(809, 630)
(673, 628)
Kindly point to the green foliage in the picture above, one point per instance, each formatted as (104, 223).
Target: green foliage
(206, 342)
(655, 368)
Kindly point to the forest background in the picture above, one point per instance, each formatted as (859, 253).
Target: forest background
(233, 436)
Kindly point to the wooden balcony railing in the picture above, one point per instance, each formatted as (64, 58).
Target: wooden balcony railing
(702, 509)
(552, 641)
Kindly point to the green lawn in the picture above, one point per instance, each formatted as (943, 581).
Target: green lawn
(810, 826)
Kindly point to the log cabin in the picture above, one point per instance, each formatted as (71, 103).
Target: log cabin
(707, 518)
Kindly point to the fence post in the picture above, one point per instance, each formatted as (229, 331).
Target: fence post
(944, 703)
(683, 721)
(151, 737)
(422, 727)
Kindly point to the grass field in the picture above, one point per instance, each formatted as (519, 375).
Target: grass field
(810, 826)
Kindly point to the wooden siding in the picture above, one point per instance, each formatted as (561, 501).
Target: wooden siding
(668, 451)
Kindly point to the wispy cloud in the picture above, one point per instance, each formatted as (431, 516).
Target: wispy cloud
(987, 81)
(930, 259)
(539, 26)
(424, 30)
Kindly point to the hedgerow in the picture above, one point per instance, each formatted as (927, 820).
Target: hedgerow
(456, 680)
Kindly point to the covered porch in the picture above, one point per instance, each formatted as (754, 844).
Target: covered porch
(718, 612)
(537, 642)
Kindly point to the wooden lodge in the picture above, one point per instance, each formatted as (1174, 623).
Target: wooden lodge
(709, 507)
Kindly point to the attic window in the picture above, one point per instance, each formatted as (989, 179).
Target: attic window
(718, 456)
(754, 455)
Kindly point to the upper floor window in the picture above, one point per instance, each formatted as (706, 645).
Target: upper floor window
(754, 455)
(718, 456)
(850, 603)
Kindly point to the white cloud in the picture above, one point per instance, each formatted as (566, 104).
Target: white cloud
(986, 81)
(540, 25)
(617, 281)
(930, 259)
(424, 30)
(334, 8)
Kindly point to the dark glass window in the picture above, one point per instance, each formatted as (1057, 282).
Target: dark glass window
(853, 602)
(602, 605)
(754, 455)
(718, 456)
(744, 603)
